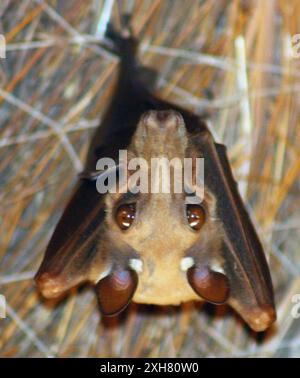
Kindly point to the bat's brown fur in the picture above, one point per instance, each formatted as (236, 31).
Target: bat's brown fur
(160, 233)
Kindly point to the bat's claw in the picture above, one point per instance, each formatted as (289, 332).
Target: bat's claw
(261, 319)
(50, 286)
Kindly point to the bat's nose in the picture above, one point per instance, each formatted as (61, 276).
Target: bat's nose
(162, 120)
(167, 116)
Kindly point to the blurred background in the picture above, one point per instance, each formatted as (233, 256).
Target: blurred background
(235, 61)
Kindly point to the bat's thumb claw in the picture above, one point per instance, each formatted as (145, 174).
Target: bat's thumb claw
(260, 319)
(49, 285)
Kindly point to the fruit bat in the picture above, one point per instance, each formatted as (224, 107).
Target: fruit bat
(157, 248)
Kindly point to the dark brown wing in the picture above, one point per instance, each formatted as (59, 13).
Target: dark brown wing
(251, 292)
(72, 251)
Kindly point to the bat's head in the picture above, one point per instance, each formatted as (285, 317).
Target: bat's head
(161, 224)
(166, 233)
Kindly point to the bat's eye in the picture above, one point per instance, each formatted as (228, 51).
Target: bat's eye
(195, 216)
(125, 216)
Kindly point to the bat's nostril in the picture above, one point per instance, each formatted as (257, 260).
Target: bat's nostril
(146, 117)
(164, 115)
(169, 118)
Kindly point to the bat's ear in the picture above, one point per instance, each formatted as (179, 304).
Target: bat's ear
(245, 266)
(116, 290)
(211, 286)
(73, 251)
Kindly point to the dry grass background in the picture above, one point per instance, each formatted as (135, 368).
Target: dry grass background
(55, 85)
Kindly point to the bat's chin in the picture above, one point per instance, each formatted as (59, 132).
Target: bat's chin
(162, 293)
(164, 300)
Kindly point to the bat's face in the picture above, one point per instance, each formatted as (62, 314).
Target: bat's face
(163, 242)
(162, 235)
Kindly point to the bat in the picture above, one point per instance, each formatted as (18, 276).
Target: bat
(157, 248)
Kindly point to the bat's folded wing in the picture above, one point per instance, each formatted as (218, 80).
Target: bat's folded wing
(73, 249)
(251, 291)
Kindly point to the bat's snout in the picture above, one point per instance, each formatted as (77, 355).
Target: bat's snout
(161, 133)
(162, 120)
